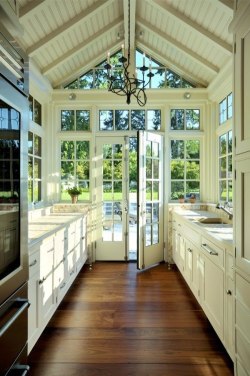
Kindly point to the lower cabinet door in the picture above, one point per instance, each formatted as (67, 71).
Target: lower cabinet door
(212, 298)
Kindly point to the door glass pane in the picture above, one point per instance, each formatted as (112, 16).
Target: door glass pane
(156, 212)
(155, 191)
(148, 168)
(148, 235)
(155, 233)
(112, 192)
(156, 171)
(149, 190)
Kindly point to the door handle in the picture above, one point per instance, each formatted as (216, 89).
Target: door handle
(22, 305)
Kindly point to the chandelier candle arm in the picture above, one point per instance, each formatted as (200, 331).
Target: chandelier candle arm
(119, 79)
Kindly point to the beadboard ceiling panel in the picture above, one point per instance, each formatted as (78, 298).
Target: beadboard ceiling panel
(66, 38)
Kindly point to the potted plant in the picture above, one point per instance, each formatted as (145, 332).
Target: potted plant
(74, 192)
(181, 197)
(192, 198)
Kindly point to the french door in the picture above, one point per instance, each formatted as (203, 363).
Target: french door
(150, 248)
(124, 228)
(112, 198)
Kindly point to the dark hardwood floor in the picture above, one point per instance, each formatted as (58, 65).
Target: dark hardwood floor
(117, 321)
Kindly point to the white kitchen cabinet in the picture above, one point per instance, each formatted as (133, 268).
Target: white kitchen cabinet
(33, 322)
(212, 289)
(241, 28)
(209, 272)
(192, 267)
(229, 336)
(46, 293)
(54, 263)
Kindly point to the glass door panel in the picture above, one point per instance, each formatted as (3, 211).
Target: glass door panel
(111, 194)
(150, 200)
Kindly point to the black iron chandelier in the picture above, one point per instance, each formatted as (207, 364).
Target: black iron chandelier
(120, 79)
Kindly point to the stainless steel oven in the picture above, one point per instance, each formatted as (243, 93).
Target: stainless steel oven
(13, 207)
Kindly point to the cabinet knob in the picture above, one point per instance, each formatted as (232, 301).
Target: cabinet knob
(229, 292)
(190, 250)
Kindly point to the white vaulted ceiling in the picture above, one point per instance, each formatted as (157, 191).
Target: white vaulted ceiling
(67, 37)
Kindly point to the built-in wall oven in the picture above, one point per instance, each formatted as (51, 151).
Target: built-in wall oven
(13, 207)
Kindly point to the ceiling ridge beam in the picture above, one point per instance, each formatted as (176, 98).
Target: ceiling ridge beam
(71, 24)
(151, 51)
(181, 47)
(131, 19)
(112, 48)
(84, 44)
(30, 8)
(226, 47)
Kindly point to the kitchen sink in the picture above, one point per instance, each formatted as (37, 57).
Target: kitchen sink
(213, 221)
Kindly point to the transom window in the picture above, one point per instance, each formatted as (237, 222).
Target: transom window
(225, 167)
(116, 120)
(75, 120)
(75, 168)
(188, 119)
(185, 168)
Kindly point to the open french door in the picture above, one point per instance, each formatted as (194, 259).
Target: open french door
(150, 247)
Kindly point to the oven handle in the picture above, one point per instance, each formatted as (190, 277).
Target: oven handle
(24, 304)
(23, 368)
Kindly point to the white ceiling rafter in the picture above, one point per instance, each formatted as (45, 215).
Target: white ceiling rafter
(191, 54)
(84, 44)
(228, 3)
(30, 8)
(163, 7)
(84, 68)
(70, 24)
(151, 51)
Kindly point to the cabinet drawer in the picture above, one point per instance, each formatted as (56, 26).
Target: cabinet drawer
(191, 234)
(213, 252)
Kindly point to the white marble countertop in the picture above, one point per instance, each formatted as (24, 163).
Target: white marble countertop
(221, 232)
(46, 225)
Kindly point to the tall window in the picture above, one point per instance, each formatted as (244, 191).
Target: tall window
(75, 168)
(225, 167)
(35, 110)
(34, 168)
(185, 168)
(226, 109)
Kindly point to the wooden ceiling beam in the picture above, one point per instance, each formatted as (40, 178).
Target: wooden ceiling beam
(163, 7)
(30, 7)
(84, 44)
(181, 47)
(72, 23)
(77, 72)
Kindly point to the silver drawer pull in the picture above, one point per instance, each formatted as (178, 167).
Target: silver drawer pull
(209, 250)
(33, 263)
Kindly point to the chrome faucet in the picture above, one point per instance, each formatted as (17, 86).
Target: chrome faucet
(226, 208)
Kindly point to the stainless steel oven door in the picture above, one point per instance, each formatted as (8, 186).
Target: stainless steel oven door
(13, 329)
(13, 189)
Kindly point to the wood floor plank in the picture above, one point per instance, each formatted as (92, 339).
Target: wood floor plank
(118, 321)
